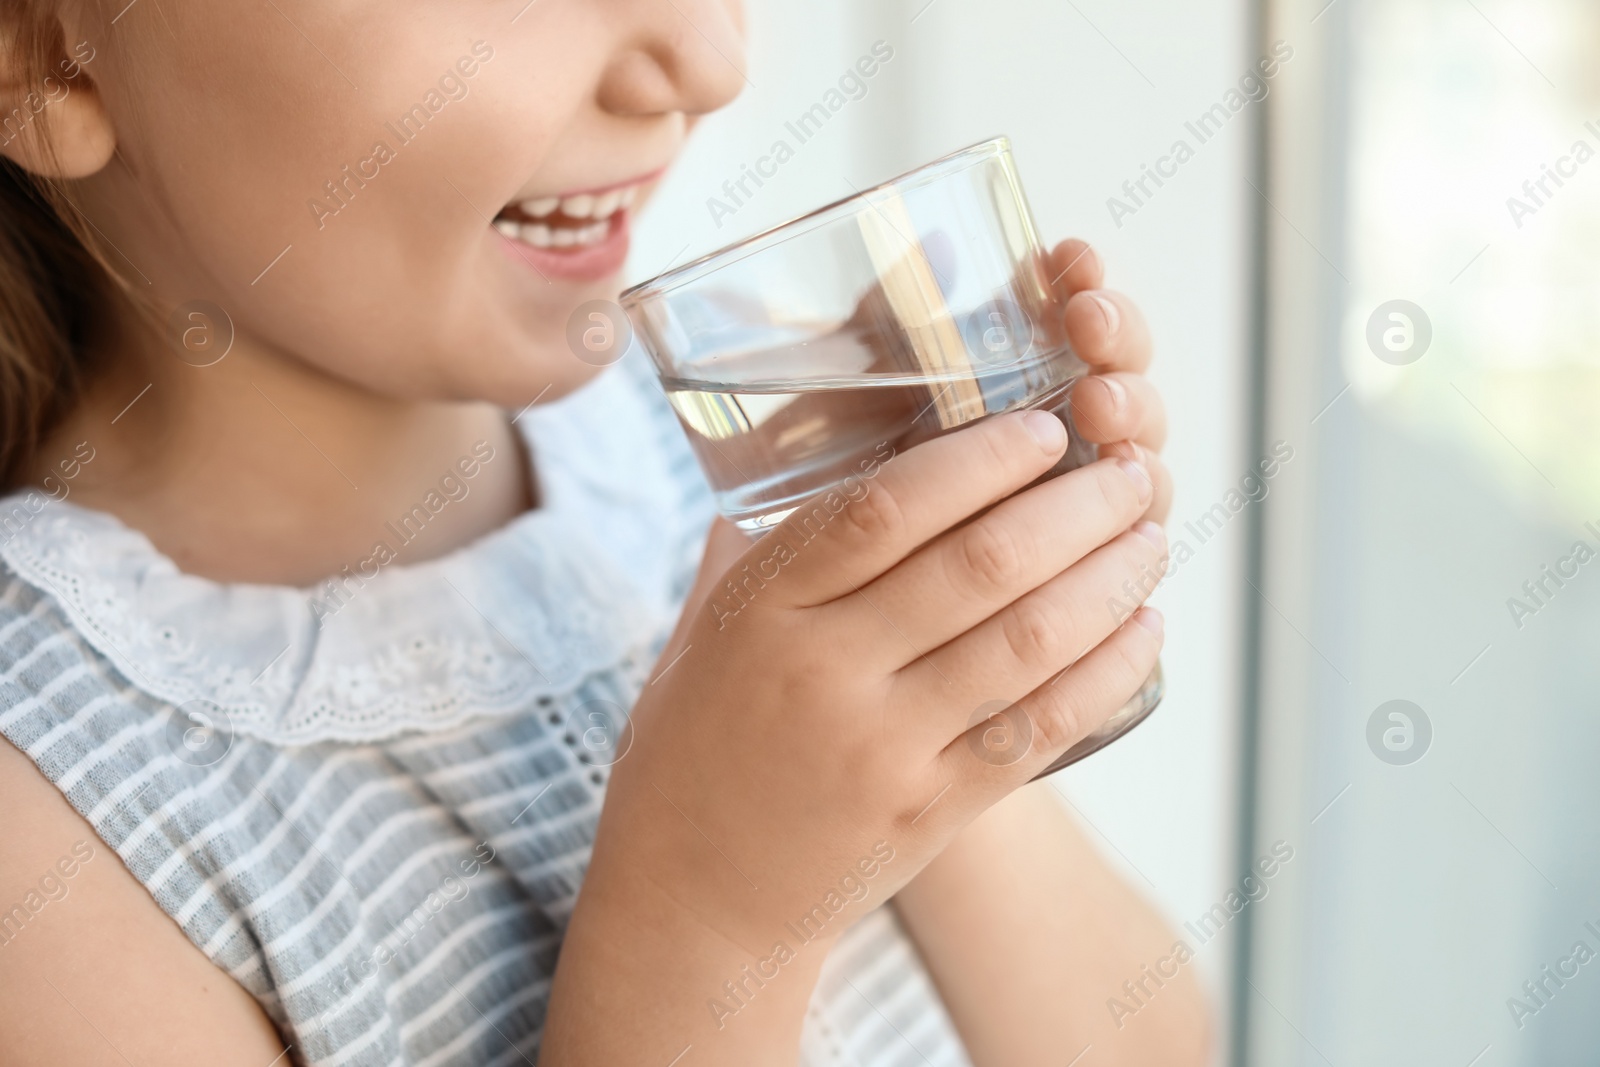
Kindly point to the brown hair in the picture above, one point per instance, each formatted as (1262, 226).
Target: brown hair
(54, 283)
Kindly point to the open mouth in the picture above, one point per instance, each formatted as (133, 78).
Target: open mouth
(579, 221)
(581, 236)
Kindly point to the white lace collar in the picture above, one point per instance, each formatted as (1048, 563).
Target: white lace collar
(582, 584)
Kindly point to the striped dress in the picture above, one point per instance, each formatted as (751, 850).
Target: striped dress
(372, 802)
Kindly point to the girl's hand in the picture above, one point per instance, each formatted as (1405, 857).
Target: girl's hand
(824, 723)
(1117, 407)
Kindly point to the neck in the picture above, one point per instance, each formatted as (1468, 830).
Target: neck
(260, 468)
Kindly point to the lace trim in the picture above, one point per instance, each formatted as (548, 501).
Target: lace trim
(259, 655)
(522, 616)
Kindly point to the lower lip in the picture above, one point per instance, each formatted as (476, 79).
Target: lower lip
(591, 263)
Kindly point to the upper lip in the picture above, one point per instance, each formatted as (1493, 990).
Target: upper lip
(594, 190)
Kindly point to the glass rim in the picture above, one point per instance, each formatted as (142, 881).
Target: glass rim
(694, 270)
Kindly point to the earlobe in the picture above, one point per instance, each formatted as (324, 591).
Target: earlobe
(55, 133)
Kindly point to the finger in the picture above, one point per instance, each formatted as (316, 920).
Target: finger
(1038, 636)
(1017, 743)
(1120, 406)
(1074, 266)
(973, 572)
(1160, 477)
(842, 539)
(1107, 331)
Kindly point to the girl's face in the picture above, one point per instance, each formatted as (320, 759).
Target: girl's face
(417, 197)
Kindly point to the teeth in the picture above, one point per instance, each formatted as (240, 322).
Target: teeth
(578, 207)
(582, 206)
(539, 235)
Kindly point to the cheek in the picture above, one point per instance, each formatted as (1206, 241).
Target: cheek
(396, 281)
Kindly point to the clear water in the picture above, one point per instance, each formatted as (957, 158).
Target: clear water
(769, 445)
(766, 446)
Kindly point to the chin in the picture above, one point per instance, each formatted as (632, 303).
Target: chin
(545, 371)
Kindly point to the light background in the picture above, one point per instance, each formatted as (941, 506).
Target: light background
(1088, 92)
(1430, 893)
(1419, 499)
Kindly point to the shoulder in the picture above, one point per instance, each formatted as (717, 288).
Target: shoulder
(80, 938)
(39, 650)
(82, 941)
(53, 685)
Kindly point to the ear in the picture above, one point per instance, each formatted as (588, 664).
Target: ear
(53, 122)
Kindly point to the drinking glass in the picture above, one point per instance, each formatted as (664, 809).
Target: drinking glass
(799, 359)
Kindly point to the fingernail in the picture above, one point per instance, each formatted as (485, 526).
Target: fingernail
(1118, 393)
(1047, 430)
(1152, 533)
(1151, 620)
(1137, 475)
(1111, 313)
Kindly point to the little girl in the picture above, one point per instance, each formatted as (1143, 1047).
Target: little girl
(359, 700)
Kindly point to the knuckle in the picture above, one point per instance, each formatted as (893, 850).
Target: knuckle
(1032, 633)
(804, 662)
(990, 557)
(1143, 565)
(999, 445)
(1090, 693)
(878, 515)
(1124, 665)
(1135, 660)
(1117, 494)
(1058, 721)
(1007, 447)
(1076, 618)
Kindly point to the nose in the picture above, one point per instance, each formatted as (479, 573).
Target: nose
(677, 55)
